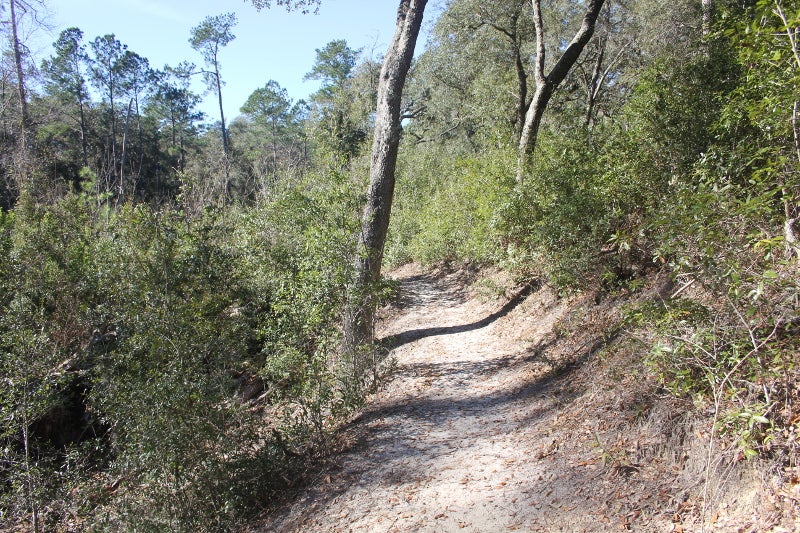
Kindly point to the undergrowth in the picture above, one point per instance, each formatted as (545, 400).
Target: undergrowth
(168, 371)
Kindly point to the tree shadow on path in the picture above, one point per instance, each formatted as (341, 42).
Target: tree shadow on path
(405, 440)
(392, 342)
(392, 446)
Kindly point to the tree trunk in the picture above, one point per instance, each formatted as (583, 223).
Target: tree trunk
(513, 35)
(111, 80)
(140, 138)
(84, 149)
(274, 152)
(225, 147)
(23, 100)
(121, 183)
(593, 85)
(547, 84)
(522, 82)
(358, 326)
(221, 114)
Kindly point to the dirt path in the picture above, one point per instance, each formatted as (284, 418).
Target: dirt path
(448, 441)
(483, 429)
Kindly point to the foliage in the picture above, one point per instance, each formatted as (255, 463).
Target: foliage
(303, 5)
(166, 364)
(453, 217)
(270, 138)
(211, 34)
(334, 64)
(465, 79)
(44, 290)
(564, 213)
(128, 337)
(298, 250)
(696, 175)
(730, 220)
(340, 112)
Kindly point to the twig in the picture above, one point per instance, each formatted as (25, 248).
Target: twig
(683, 288)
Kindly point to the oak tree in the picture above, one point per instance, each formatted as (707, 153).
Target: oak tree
(547, 83)
(358, 327)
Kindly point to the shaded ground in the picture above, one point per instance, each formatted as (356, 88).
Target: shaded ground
(519, 411)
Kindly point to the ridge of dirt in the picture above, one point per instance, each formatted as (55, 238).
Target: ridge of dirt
(512, 409)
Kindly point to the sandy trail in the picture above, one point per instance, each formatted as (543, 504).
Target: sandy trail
(448, 444)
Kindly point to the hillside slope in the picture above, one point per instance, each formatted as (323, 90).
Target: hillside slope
(525, 412)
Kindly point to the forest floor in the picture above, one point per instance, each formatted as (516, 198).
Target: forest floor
(513, 409)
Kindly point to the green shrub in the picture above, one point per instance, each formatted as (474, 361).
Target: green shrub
(566, 210)
(450, 212)
(721, 230)
(129, 333)
(44, 294)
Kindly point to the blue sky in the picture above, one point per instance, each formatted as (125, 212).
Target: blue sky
(269, 44)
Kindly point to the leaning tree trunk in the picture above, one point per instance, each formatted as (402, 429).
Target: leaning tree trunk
(23, 99)
(358, 326)
(547, 84)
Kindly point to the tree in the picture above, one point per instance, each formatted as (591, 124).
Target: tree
(546, 84)
(507, 19)
(605, 55)
(104, 70)
(207, 38)
(472, 82)
(136, 80)
(335, 115)
(64, 78)
(303, 5)
(22, 176)
(270, 108)
(173, 106)
(17, 10)
(375, 220)
(268, 105)
(17, 49)
(770, 56)
(333, 66)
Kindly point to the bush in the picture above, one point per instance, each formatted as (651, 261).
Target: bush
(128, 337)
(723, 231)
(450, 212)
(44, 292)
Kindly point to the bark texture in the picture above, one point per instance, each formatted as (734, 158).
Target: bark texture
(546, 84)
(358, 326)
